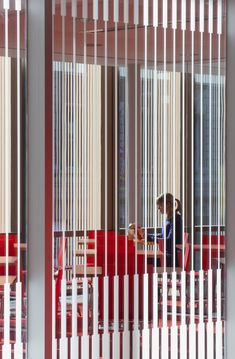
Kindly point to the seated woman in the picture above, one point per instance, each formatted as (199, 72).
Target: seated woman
(172, 210)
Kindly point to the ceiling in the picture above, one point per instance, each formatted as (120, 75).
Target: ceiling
(89, 37)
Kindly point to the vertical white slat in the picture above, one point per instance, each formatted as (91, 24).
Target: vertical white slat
(183, 341)
(218, 296)
(192, 340)
(164, 299)
(127, 191)
(174, 329)
(183, 274)
(74, 338)
(173, 153)
(63, 339)
(155, 348)
(218, 273)
(105, 10)
(192, 15)
(219, 17)
(183, 15)
(155, 343)
(136, 344)
(63, 8)
(85, 351)
(174, 297)
(210, 324)
(84, 9)
(165, 342)
(54, 193)
(54, 339)
(115, 10)
(6, 4)
(18, 5)
(74, 343)
(53, 11)
(126, 344)
(95, 10)
(126, 333)
(146, 13)
(155, 13)
(210, 340)
(210, 30)
(174, 342)
(174, 14)
(106, 334)
(192, 326)
(210, 17)
(183, 297)
(201, 325)
(63, 342)
(145, 187)
(210, 294)
(155, 300)
(201, 340)
(18, 347)
(116, 334)
(53, 7)
(74, 8)
(126, 11)
(6, 348)
(136, 12)
(136, 333)
(201, 16)
(201, 29)
(95, 336)
(165, 14)
(165, 331)
(219, 340)
(145, 332)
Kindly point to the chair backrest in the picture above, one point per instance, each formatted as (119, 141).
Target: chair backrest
(186, 253)
(12, 252)
(214, 252)
(62, 250)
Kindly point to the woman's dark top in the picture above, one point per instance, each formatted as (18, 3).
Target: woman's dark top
(169, 238)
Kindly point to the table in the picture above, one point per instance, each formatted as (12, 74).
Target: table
(90, 271)
(11, 279)
(23, 246)
(197, 247)
(81, 252)
(11, 260)
(150, 253)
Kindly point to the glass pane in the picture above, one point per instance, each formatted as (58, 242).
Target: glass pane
(139, 192)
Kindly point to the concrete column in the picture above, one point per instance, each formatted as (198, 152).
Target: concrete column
(39, 178)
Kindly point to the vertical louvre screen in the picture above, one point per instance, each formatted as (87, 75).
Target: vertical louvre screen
(139, 179)
(13, 246)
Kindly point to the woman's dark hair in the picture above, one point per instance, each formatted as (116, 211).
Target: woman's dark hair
(169, 198)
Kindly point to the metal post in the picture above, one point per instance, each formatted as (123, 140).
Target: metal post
(39, 179)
